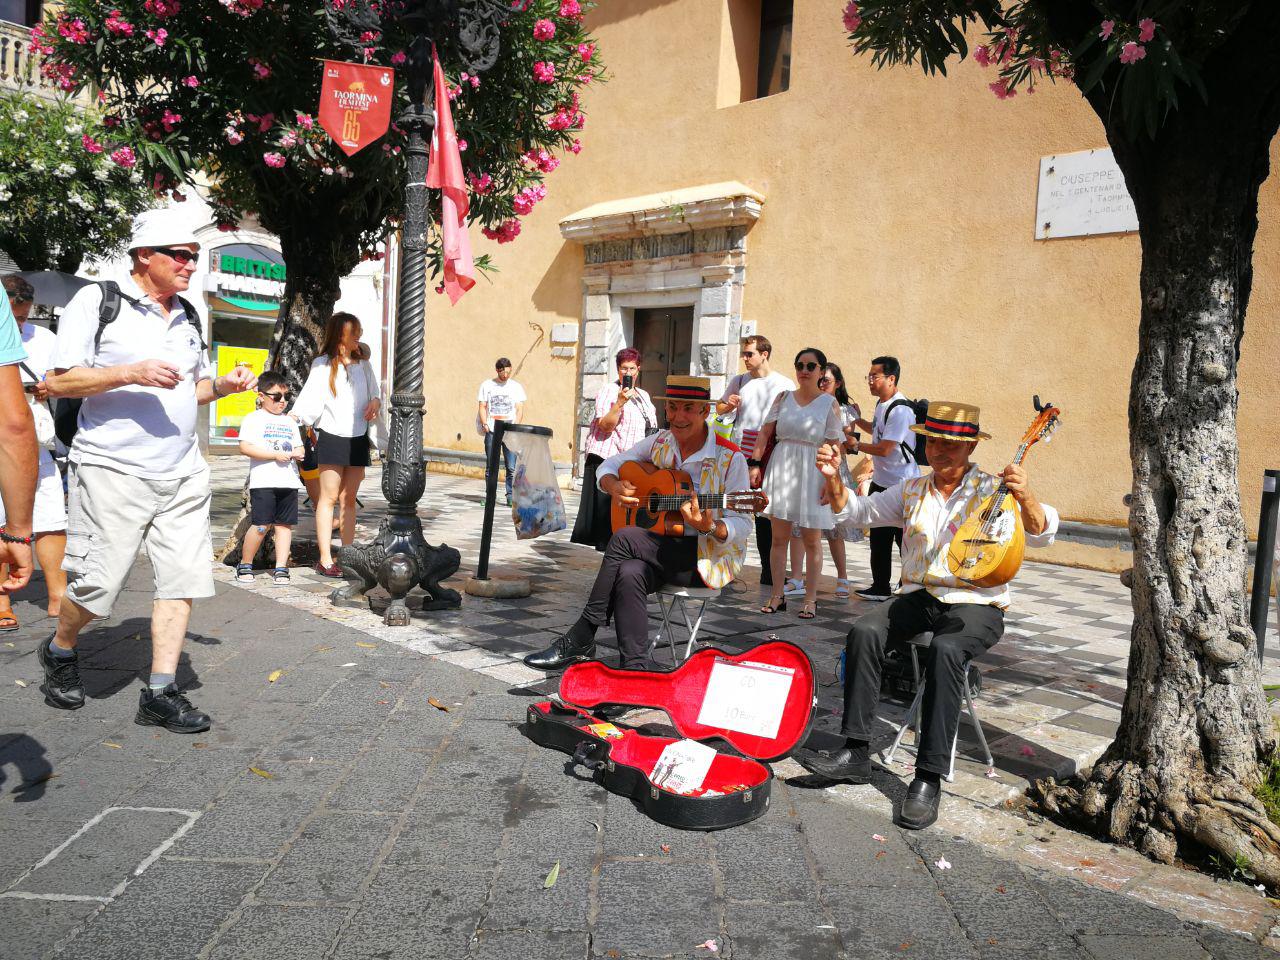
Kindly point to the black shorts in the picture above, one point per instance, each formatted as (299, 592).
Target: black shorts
(335, 451)
(271, 506)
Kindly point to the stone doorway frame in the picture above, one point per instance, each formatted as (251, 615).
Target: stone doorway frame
(682, 249)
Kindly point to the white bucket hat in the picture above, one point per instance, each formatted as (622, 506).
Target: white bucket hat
(161, 228)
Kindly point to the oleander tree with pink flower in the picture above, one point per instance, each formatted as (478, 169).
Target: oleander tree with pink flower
(224, 93)
(1188, 96)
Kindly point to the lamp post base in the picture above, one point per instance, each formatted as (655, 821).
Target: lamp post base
(397, 559)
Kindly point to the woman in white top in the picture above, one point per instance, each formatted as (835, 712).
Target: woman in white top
(800, 422)
(339, 400)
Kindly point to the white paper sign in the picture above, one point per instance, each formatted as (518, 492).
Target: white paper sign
(1082, 194)
(746, 697)
(682, 766)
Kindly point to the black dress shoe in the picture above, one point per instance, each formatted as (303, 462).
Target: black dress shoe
(62, 687)
(560, 654)
(611, 711)
(843, 766)
(170, 709)
(920, 808)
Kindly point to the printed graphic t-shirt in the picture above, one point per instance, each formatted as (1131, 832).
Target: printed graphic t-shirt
(275, 432)
(501, 399)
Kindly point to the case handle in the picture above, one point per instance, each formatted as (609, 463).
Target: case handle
(591, 754)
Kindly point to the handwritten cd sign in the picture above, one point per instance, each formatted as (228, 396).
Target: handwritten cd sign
(747, 697)
(355, 103)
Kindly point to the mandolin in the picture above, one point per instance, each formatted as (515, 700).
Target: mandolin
(987, 549)
(663, 492)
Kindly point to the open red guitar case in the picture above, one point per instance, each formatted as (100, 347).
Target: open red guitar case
(759, 702)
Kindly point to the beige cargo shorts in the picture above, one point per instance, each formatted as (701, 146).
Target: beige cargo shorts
(111, 514)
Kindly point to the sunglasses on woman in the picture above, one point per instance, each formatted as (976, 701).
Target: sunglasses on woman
(810, 365)
(824, 381)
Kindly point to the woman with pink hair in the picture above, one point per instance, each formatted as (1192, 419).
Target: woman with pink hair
(624, 416)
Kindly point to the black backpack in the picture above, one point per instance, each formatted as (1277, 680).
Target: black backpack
(913, 451)
(66, 410)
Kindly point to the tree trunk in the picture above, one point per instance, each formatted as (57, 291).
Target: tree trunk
(1195, 730)
(310, 291)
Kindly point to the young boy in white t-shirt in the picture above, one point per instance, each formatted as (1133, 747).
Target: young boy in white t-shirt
(273, 443)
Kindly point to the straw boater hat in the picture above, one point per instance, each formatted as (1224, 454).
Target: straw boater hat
(697, 389)
(951, 421)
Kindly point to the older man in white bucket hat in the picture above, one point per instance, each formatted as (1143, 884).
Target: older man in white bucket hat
(135, 353)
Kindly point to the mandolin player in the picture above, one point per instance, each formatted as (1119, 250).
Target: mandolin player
(639, 561)
(965, 619)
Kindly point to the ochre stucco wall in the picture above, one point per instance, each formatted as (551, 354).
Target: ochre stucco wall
(898, 218)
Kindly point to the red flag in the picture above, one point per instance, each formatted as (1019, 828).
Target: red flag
(355, 103)
(445, 172)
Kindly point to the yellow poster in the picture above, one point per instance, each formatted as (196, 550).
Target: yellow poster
(229, 411)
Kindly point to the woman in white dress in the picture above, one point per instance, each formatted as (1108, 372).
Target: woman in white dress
(798, 423)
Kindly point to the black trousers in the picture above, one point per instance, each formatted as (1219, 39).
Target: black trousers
(764, 543)
(961, 631)
(882, 540)
(636, 563)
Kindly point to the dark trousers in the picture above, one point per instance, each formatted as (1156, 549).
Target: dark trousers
(636, 563)
(507, 460)
(882, 540)
(764, 543)
(961, 631)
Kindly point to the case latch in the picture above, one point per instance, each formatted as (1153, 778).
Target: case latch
(746, 796)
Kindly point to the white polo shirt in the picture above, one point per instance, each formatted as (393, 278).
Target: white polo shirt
(148, 432)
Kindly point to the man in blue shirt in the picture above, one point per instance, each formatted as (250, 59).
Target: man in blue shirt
(18, 453)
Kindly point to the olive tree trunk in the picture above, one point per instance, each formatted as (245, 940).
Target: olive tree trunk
(1195, 730)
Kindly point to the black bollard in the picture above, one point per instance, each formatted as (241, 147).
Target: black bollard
(1265, 562)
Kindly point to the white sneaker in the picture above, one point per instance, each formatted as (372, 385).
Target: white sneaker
(793, 588)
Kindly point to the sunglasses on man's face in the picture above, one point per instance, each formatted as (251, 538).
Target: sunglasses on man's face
(748, 354)
(809, 365)
(19, 298)
(183, 257)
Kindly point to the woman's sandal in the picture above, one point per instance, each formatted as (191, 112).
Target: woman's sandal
(808, 610)
(8, 622)
(842, 589)
(774, 607)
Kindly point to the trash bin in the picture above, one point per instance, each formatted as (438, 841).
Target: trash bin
(537, 507)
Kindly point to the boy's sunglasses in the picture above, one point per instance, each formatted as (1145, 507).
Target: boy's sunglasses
(278, 396)
(810, 365)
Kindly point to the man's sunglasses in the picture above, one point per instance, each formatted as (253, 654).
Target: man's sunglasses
(19, 298)
(183, 257)
(278, 396)
(747, 354)
(810, 365)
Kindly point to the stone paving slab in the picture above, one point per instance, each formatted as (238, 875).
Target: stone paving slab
(388, 828)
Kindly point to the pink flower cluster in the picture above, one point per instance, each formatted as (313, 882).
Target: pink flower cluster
(544, 30)
(191, 82)
(586, 51)
(40, 41)
(1133, 50)
(274, 160)
(73, 31)
(162, 9)
(124, 157)
(304, 120)
(505, 232)
(481, 184)
(465, 77)
(524, 201)
(246, 8)
(170, 120)
(576, 146)
(288, 139)
(1002, 90)
(570, 10)
(260, 70)
(541, 159)
(62, 75)
(852, 18)
(234, 136)
(90, 145)
(544, 72)
(115, 23)
(157, 36)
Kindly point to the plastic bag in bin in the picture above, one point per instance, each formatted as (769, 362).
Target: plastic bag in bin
(536, 504)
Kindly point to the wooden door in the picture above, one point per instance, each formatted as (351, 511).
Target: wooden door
(664, 337)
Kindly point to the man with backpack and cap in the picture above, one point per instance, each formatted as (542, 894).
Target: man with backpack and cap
(893, 459)
(134, 353)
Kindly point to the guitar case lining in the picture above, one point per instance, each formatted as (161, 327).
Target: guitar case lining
(736, 788)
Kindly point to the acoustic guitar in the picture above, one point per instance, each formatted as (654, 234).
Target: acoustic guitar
(663, 492)
(987, 549)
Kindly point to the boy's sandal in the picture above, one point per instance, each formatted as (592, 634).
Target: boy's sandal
(808, 610)
(280, 575)
(8, 622)
(842, 589)
(244, 573)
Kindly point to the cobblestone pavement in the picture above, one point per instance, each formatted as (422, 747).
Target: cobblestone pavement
(334, 812)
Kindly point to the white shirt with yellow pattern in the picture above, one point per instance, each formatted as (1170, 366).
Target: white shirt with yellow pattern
(928, 524)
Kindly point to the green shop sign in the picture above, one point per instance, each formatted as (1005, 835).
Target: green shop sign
(252, 268)
(249, 276)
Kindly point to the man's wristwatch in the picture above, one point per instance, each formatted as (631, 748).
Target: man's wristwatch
(753, 463)
(8, 537)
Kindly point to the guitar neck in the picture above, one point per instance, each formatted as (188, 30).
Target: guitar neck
(1003, 489)
(706, 501)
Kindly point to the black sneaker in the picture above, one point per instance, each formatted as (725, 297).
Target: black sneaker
(873, 594)
(170, 709)
(62, 687)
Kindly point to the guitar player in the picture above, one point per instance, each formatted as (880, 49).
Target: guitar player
(965, 619)
(637, 561)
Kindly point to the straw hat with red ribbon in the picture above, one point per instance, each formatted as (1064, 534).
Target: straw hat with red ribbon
(951, 421)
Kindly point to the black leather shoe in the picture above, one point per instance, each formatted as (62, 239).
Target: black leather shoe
(170, 709)
(62, 687)
(560, 654)
(920, 808)
(611, 711)
(843, 766)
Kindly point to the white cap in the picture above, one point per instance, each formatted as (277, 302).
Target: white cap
(161, 228)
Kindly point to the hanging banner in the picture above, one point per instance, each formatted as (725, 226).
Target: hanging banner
(355, 103)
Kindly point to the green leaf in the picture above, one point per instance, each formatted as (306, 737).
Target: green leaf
(552, 877)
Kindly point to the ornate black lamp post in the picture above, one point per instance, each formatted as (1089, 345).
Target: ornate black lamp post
(399, 556)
